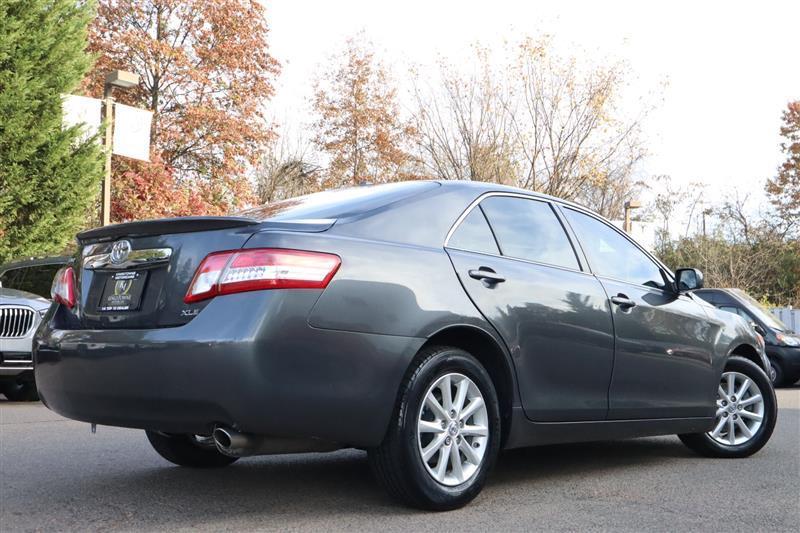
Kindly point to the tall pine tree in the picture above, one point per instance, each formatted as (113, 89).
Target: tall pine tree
(49, 177)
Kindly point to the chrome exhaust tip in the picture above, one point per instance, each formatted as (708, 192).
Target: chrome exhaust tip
(235, 444)
(231, 442)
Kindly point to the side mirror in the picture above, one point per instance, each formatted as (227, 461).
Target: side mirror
(688, 279)
(758, 329)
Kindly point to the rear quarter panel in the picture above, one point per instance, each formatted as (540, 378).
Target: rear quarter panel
(395, 277)
(383, 288)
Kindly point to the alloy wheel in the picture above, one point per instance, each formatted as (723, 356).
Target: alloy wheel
(453, 429)
(740, 410)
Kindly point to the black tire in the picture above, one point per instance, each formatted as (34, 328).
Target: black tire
(21, 391)
(397, 462)
(184, 450)
(704, 444)
(777, 374)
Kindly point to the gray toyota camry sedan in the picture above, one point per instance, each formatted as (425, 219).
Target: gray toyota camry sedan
(431, 324)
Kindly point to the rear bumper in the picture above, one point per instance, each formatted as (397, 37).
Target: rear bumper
(249, 360)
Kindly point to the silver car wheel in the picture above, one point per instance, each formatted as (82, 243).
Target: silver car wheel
(740, 410)
(453, 429)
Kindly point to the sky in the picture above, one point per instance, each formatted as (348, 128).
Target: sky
(719, 73)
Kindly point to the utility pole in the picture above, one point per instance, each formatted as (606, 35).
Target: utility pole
(123, 80)
(630, 205)
(705, 213)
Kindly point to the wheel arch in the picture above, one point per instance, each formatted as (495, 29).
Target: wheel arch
(751, 353)
(494, 358)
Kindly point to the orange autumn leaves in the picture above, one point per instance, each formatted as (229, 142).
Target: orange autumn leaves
(358, 126)
(784, 189)
(206, 73)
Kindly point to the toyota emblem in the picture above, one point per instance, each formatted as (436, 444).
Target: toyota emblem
(120, 251)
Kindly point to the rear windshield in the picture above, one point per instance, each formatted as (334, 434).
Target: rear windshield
(339, 203)
(33, 279)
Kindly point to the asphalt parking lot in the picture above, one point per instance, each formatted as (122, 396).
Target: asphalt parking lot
(56, 475)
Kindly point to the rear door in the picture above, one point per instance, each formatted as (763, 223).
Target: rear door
(514, 259)
(664, 341)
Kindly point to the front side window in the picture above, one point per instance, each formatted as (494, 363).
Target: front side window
(529, 229)
(612, 255)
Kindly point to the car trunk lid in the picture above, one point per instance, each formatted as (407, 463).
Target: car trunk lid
(135, 275)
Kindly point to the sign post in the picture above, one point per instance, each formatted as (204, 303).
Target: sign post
(124, 80)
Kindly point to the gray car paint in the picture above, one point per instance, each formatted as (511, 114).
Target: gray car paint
(328, 364)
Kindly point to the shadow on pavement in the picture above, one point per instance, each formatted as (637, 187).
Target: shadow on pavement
(317, 486)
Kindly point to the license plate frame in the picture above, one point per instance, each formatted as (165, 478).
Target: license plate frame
(122, 291)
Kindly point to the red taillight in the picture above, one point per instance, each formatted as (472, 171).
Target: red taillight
(258, 269)
(63, 289)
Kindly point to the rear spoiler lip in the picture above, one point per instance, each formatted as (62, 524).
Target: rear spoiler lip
(304, 225)
(163, 226)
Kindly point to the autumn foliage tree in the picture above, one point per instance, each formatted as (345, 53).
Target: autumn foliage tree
(358, 126)
(205, 73)
(784, 189)
(528, 117)
(464, 130)
(287, 169)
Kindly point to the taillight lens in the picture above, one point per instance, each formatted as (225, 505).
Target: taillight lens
(259, 269)
(63, 289)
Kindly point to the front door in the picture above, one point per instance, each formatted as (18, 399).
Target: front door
(664, 341)
(554, 318)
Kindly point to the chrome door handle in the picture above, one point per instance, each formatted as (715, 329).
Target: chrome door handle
(487, 276)
(623, 301)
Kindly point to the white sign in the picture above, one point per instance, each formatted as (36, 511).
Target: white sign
(80, 110)
(132, 132)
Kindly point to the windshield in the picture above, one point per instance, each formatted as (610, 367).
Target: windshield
(760, 311)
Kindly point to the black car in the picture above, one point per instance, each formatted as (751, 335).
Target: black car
(782, 344)
(429, 323)
(34, 275)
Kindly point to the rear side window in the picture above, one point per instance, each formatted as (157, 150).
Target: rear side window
(474, 234)
(529, 229)
(611, 254)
